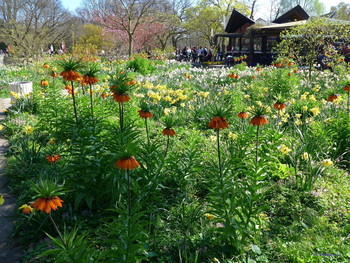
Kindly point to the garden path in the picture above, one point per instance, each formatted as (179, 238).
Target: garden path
(9, 251)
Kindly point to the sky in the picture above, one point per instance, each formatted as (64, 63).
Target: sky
(262, 6)
(71, 4)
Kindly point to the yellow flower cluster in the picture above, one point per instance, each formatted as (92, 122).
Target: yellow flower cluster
(162, 92)
(169, 110)
(15, 95)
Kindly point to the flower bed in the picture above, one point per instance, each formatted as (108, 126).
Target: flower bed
(159, 162)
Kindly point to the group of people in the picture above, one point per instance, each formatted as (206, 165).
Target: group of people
(194, 54)
(60, 51)
(324, 58)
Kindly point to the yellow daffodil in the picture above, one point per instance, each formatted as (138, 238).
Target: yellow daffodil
(327, 163)
(316, 88)
(232, 136)
(298, 122)
(27, 209)
(28, 129)
(284, 149)
(315, 111)
(312, 98)
(305, 156)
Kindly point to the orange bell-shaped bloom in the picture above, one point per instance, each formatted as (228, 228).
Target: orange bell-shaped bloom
(347, 88)
(52, 158)
(44, 83)
(46, 66)
(279, 105)
(145, 114)
(242, 115)
(128, 163)
(70, 75)
(47, 204)
(121, 97)
(258, 120)
(218, 123)
(104, 95)
(279, 65)
(53, 74)
(90, 80)
(169, 132)
(332, 97)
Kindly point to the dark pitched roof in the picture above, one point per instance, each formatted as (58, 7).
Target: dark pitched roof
(295, 14)
(236, 21)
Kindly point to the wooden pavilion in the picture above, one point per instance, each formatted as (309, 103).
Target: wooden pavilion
(256, 39)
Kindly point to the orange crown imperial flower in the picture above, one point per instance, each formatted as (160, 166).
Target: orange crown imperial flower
(242, 115)
(347, 88)
(169, 132)
(145, 114)
(279, 105)
(90, 80)
(104, 95)
(47, 204)
(52, 158)
(218, 123)
(258, 120)
(332, 97)
(121, 97)
(53, 74)
(128, 163)
(233, 76)
(46, 66)
(44, 83)
(70, 75)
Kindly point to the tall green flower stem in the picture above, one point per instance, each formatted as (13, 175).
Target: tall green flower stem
(129, 192)
(121, 115)
(91, 102)
(242, 125)
(222, 186)
(348, 102)
(147, 133)
(74, 103)
(219, 152)
(257, 146)
(167, 146)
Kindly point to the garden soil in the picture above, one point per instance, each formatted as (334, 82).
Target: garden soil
(10, 252)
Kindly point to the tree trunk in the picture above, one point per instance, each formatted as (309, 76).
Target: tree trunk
(131, 44)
